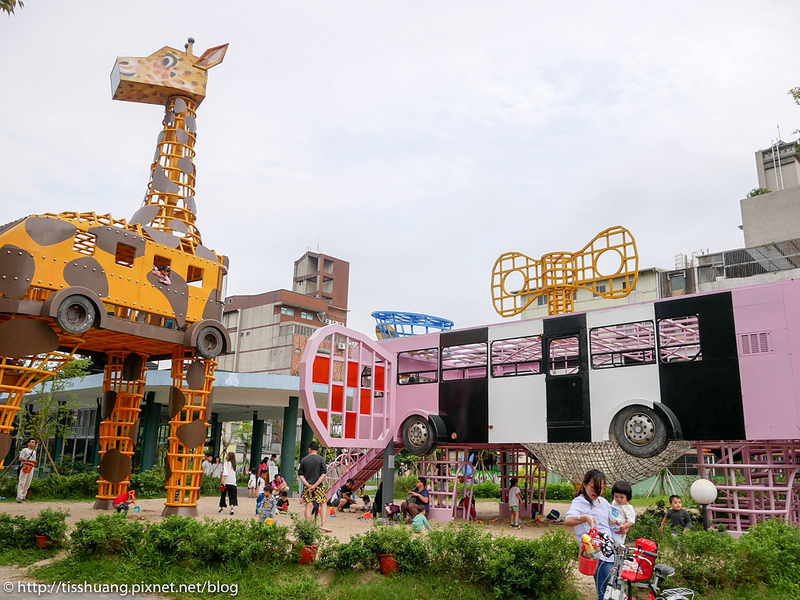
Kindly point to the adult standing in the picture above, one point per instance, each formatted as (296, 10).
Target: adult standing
(27, 464)
(208, 464)
(229, 481)
(216, 468)
(589, 510)
(263, 469)
(312, 472)
(272, 465)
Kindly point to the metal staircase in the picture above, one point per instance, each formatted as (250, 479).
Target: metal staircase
(356, 464)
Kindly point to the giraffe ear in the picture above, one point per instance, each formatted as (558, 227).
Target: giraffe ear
(211, 57)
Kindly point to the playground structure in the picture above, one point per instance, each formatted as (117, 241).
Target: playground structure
(608, 266)
(390, 324)
(86, 282)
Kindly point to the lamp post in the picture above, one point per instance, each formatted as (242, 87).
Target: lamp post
(704, 493)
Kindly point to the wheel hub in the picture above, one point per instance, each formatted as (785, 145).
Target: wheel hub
(418, 434)
(76, 314)
(640, 429)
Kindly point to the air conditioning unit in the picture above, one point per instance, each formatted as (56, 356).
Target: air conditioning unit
(341, 346)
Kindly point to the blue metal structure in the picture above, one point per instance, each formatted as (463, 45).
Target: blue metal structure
(391, 324)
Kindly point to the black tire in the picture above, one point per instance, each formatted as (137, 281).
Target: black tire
(640, 431)
(210, 342)
(419, 435)
(76, 314)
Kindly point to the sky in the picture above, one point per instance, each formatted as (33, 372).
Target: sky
(416, 140)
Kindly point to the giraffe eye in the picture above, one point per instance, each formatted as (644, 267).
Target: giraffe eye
(169, 61)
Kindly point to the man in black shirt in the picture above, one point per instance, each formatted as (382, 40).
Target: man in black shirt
(346, 495)
(312, 472)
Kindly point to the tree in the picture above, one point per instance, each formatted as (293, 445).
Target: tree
(9, 6)
(48, 413)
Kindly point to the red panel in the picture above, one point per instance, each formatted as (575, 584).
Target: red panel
(323, 415)
(380, 379)
(352, 374)
(322, 367)
(350, 425)
(365, 408)
(337, 398)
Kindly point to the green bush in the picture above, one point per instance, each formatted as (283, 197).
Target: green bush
(560, 491)
(402, 485)
(106, 535)
(16, 532)
(520, 567)
(771, 550)
(408, 549)
(51, 523)
(149, 484)
(460, 549)
(647, 524)
(344, 556)
(487, 489)
(703, 560)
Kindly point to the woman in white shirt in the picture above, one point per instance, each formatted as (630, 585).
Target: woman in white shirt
(229, 481)
(216, 468)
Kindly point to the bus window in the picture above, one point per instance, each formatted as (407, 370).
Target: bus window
(418, 366)
(467, 361)
(565, 356)
(84, 243)
(679, 339)
(517, 356)
(623, 345)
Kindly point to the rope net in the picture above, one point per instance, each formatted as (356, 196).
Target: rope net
(572, 460)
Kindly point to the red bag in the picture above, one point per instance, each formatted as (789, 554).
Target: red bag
(221, 487)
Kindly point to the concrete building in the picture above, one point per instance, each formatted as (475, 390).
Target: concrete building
(775, 216)
(270, 330)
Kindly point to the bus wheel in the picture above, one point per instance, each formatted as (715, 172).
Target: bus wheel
(210, 342)
(76, 314)
(640, 431)
(419, 437)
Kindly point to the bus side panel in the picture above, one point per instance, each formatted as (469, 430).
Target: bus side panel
(568, 414)
(705, 395)
(769, 381)
(517, 404)
(614, 387)
(466, 401)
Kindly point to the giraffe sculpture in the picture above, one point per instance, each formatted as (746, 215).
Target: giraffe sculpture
(85, 282)
(176, 80)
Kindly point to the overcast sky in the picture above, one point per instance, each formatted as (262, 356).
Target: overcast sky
(416, 140)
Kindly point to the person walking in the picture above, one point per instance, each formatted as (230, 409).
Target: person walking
(27, 464)
(312, 473)
(229, 483)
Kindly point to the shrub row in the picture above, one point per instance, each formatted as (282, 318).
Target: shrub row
(509, 566)
(488, 489)
(149, 484)
(20, 532)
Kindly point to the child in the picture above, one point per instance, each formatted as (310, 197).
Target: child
(420, 521)
(514, 495)
(163, 274)
(678, 516)
(261, 483)
(251, 484)
(623, 516)
(367, 506)
(268, 510)
(122, 501)
(283, 502)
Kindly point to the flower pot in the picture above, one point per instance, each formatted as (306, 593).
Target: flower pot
(43, 541)
(308, 554)
(388, 564)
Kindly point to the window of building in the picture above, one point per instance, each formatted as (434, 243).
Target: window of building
(306, 315)
(418, 366)
(677, 282)
(679, 339)
(194, 275)
(124, 255)
(565, 358)
(601, 288)
(467, 361)
(517, 356)
(623, 345)
(286, 310)
(541, 300)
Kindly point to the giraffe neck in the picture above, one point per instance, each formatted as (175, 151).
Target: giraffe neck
(172, 174)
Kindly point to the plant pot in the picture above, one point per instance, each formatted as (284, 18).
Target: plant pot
(43, 541)
(388, 564)
(308, 554)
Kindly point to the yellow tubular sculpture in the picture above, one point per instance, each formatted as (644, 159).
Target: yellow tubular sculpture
(608, 266)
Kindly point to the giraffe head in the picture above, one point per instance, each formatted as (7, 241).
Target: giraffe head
(165, 73)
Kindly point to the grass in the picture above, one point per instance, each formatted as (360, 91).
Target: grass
(288, 582)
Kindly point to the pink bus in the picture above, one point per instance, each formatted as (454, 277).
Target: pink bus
(714, 366)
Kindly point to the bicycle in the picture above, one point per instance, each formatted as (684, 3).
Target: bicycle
(636, 567)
